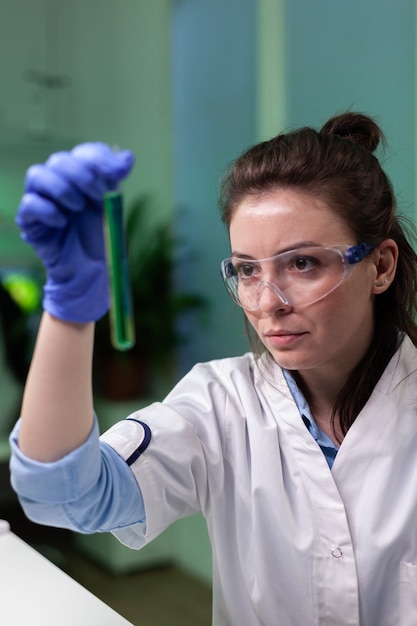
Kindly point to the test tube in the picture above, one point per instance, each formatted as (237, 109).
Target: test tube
(121, 311)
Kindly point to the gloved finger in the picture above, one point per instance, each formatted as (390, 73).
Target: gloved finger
(110, 163)
(42, 180)
(81, 175)
(35, 209)
(91, 235)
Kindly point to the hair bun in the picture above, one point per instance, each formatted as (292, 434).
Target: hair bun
(355, 127)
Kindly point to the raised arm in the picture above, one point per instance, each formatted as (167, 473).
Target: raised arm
(61, 217)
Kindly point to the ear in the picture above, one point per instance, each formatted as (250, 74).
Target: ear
(386, 258)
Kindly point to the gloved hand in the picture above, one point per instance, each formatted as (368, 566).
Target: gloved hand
(61, 215)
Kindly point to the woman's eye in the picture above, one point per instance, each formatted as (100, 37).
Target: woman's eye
(304, 264)
(245, 270)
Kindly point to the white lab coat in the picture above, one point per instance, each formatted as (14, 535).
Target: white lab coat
(294, 543)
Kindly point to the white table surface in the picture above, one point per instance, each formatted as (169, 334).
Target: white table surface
(35, 592)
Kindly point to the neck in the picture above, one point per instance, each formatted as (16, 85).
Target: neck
(321, 389)
(321, 392)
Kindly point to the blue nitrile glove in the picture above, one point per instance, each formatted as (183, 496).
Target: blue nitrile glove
(61, 216)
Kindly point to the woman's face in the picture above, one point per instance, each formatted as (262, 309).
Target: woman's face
(330, 335)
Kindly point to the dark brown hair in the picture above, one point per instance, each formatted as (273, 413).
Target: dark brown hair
(337, 164)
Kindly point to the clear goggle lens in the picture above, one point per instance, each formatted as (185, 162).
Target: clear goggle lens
(298, 277)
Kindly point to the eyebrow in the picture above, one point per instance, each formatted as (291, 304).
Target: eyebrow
(295, 246)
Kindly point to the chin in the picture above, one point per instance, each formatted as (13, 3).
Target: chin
(292, 362)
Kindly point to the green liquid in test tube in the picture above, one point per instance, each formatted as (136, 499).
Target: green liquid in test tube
(121, 311)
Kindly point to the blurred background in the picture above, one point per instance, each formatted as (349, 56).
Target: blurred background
(186, 85)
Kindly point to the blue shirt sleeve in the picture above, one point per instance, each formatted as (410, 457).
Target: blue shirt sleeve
(91, 489)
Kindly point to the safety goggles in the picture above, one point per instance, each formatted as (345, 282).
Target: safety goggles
(297, 277)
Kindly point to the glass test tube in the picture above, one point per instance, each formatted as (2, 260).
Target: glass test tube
(121, 310)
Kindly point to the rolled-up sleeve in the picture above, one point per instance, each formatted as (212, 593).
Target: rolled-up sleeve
(91, 489)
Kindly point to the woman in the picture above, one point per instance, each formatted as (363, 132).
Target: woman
(301, 457)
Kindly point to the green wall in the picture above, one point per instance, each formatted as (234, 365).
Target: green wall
(214, 101)
(359, 55)
(113, 62)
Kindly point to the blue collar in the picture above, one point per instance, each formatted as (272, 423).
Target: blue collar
(328, 447)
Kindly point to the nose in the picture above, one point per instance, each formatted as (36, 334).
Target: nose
(270, 299)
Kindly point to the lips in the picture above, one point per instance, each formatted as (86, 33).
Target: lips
(283, 337)
(283, 333)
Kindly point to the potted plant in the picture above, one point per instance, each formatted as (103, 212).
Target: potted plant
(152, 253)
